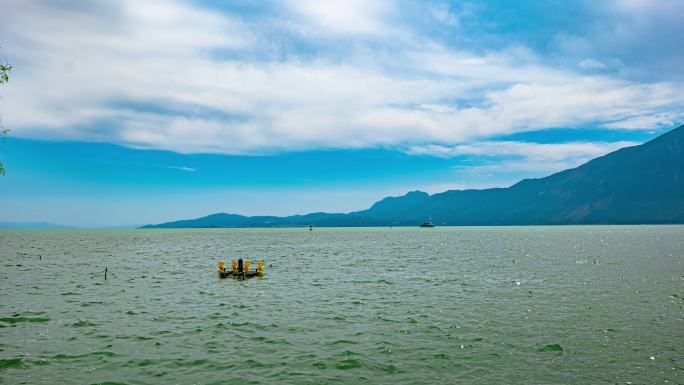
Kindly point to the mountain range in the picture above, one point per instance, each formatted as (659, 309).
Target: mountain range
(642, 184)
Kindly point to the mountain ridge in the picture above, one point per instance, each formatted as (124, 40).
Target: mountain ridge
(641, 184)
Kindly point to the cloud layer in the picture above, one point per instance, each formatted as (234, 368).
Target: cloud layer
(523, 156)
(322, 74)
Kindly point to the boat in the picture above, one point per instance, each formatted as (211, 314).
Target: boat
(428, 223)
(245, 273)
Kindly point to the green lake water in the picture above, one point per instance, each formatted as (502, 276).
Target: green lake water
(459, 305)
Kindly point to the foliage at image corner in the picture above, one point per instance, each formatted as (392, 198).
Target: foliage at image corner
(4, 78)
(4, 73)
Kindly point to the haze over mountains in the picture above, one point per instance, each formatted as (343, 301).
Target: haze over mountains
(55, 226)
(32, 226)
(633, 185)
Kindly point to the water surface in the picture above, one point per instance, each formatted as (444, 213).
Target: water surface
(461, 305)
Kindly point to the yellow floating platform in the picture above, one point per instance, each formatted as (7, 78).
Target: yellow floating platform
(233, 271)
(247, 274)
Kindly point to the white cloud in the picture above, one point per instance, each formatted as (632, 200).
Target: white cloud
(522, 156)
(441, 13)
(591, 64)
(645, 122)
(183, 168)
(352, 17)
(490, 164)
(556, 151)
(169, 75)
(638, 38)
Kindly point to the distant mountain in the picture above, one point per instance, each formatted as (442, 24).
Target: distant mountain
(639, 184)
(233, 220)
(31, 226)
(114, 227)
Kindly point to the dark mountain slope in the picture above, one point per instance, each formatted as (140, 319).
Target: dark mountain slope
(640, 184)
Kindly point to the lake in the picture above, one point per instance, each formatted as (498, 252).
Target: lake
(457, 305)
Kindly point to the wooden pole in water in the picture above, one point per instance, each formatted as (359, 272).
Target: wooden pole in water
(105, 273)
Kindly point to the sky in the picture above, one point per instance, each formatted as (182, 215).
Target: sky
(129, 112)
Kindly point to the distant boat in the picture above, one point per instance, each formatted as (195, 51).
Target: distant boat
(428, 223)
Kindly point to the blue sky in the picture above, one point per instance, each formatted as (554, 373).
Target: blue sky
(139, 112)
